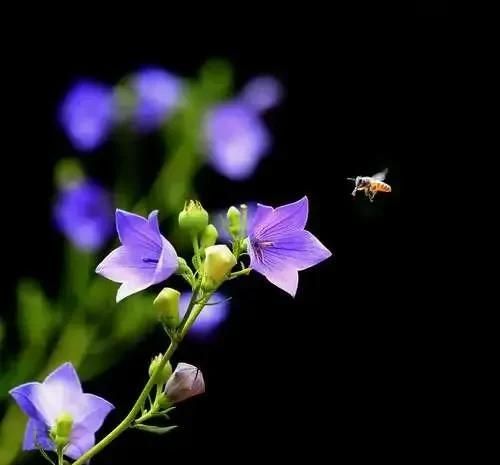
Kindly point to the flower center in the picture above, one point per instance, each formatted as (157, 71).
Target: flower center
(260, 246)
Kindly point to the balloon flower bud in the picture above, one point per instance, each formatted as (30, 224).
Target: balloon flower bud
(194, 218)
(234, 222)
(219, 261)
(209, 236)
(61, 431)
(186, 381)
(164, 374)
(166, 306)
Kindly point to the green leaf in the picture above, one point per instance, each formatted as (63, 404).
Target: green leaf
(155, 429)
(34, 316)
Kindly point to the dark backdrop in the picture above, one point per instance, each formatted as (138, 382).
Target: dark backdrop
(318, 374)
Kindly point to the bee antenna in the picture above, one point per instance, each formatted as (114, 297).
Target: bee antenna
(351, 179)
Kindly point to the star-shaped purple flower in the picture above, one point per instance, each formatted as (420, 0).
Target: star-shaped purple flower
(60, 394)
(144, 258)
(279, 246)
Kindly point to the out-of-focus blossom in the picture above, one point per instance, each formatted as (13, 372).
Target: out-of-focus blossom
(279, 246)
(157, 93)
(59, 411)
(83, 212)
(186, 381)
(262, 93)
(209, 319)
(221, 223)
(236, 139)
(87, 114)
(144, 258)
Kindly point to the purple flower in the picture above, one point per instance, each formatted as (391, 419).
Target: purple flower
(279, 246)
(60, 395)
(87, 114)
(84, 214)
(144, 258)
(262, 93)
(236, 139)
(158, 93)
(209, 319)
(186, 381)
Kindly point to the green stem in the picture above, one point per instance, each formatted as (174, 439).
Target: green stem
(196, 248)
(242, 272)
(60, 457)
(127, 421)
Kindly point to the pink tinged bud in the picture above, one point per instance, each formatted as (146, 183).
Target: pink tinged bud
(186, 381)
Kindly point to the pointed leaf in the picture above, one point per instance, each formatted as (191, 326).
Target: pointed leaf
(155, 429)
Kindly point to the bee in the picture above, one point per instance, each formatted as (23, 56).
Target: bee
(371, 184)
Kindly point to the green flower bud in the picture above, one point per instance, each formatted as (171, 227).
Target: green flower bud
(234, 222)
(182, 266)
(61, 431)
(166, 306)
(194, 218)
(165, 373)
(68, 171)
(209, 236)
(218, 263)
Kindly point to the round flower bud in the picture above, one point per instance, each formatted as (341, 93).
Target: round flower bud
(209, 236)
(234, 221)
(166, 306)
(219, 261)
(194, 218)
(186, 381)
(165, 373)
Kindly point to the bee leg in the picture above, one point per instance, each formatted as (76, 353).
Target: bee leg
(371, 196)
(354, 192)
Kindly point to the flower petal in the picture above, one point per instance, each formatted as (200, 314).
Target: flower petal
(93, 412)
(25, 396)
(136, 231)
(126, 264)
(65, 377)
(132, 287)
(36, 435)
(284, 219)
(81, 441)
(167, 263)
(286, 278)
(299, 249)
(260, 219)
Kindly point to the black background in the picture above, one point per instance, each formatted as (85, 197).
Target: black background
(323, 373)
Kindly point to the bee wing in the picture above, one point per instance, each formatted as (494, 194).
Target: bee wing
(380, 176)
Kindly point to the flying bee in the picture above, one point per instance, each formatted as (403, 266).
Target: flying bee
(371, 184)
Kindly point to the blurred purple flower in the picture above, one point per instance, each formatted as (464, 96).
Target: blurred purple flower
(144, 258)
(60, 395)
(262, 93)
(279, 246)
(157, 94)
(83, 212)
(236, 139)
(219, 220)
(87, 114)
(209, 319)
